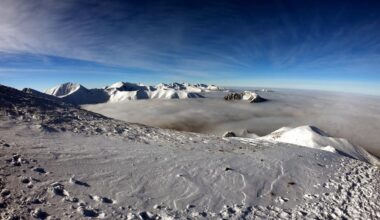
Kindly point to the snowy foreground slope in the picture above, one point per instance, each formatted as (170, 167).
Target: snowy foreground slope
(124, 91)
(61, 162)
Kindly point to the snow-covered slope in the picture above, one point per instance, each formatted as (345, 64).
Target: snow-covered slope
(310, 136)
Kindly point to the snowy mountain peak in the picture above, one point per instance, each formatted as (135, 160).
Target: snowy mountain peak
(124, 91)
(65, 89)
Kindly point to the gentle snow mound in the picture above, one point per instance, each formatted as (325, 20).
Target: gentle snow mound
(310, 136)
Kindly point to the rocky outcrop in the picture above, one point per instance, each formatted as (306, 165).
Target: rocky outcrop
(41, 94)
(246, 95)
(229, 134)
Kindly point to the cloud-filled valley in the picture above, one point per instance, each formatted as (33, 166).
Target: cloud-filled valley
(340, 115)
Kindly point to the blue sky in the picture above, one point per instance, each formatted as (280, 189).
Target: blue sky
(328, 45)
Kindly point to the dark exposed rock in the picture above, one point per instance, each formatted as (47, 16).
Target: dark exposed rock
(39, 214)
(229, 134)
(247, 95)
(39, 170)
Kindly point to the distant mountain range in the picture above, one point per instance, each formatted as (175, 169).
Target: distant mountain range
(124, 91)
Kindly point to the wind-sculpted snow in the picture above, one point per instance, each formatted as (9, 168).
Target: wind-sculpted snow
(62, 162)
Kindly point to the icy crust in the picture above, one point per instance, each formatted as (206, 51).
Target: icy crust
(109, 169)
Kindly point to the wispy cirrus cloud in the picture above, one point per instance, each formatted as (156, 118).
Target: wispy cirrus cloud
(215, 39)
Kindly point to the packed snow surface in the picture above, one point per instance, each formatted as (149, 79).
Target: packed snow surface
(61, 162)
